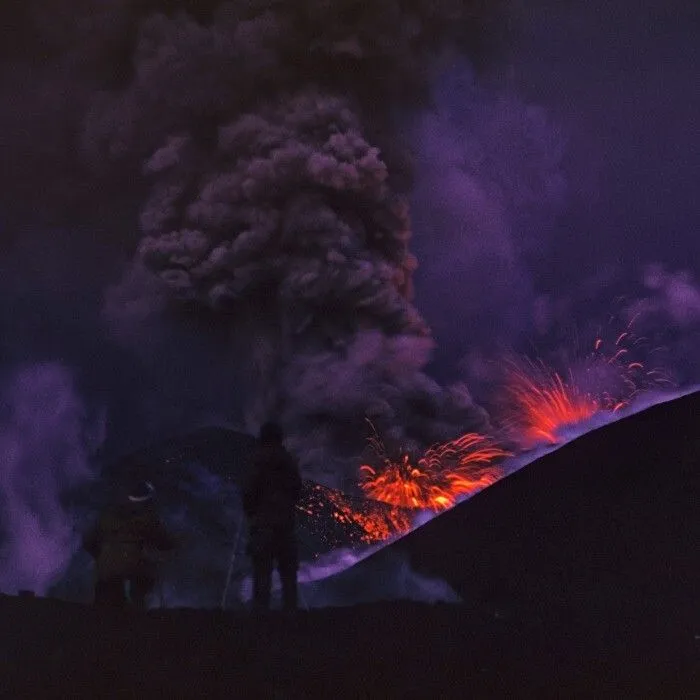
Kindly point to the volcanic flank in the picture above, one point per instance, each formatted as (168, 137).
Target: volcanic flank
(607, 521)
(578, 576)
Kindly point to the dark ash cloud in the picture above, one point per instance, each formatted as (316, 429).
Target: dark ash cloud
(255, 140)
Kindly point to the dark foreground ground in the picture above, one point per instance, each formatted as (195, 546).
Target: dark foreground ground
(579, 575)
(400, 650)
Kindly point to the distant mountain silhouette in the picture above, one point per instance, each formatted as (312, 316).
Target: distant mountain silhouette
(221, 450)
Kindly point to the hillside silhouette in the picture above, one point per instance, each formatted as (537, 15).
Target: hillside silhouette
(608, 520)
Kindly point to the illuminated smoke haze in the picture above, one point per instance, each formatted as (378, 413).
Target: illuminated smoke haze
(47, 440)
(563, 190)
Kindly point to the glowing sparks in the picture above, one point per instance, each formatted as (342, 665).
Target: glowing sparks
(540, 404)
(628, 373)
(340, 520)
(436, 480)
(376, 524)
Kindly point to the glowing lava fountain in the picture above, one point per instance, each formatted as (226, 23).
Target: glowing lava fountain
(540, 404)
(438, 479)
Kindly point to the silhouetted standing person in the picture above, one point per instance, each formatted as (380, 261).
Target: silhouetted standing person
(270, 496)
(120, 544)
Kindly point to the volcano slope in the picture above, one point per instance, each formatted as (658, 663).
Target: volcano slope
(578, 574)
(608, 522)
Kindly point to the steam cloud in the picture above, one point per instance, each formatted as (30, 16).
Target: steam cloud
(45, 440)
(675, 295)
(491, 183)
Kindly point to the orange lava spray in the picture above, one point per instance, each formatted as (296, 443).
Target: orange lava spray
(540, 403)
(435, 481)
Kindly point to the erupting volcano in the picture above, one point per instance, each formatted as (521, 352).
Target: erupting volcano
(216, 214)
(438, 479)
(539, 402)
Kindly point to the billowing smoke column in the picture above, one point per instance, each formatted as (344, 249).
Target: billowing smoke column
(265, 134)
(45, 441)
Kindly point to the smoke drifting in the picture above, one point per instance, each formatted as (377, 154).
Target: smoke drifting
(46, 440)
(396, 581)
(675, 295)
(582, 175)
(490, 186)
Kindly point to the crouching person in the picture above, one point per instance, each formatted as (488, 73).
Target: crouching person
(121, 543)
(270, 496)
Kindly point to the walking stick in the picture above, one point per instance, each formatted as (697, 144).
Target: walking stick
(234, 554)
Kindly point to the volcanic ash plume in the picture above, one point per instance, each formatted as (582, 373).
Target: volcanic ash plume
(274, 206)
